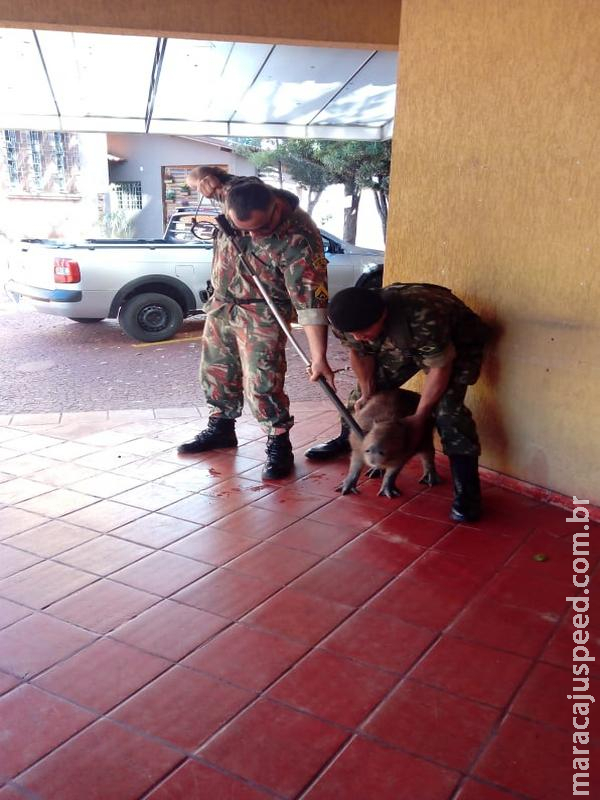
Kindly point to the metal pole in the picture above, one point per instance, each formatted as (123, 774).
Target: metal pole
(229, 231)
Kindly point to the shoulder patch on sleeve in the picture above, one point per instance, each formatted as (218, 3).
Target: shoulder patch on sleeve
(321, 292)
(320, 262)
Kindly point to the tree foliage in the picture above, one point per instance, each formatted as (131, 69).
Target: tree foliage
(315, 164)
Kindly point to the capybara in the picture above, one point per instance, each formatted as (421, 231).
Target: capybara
(385, 445)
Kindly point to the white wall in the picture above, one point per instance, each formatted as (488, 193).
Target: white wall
(32, 216)
(146, 154)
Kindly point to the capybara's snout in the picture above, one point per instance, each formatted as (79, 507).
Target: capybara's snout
(374, 452)
(381, 444)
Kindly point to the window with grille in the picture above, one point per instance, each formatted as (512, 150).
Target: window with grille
(12, 160)
(40, 162)
(127, 195)
(61, 159)
(35, 149)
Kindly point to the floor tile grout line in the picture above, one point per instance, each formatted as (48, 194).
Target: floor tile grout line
(331, 554)
(312, 647)
(359, 731)
(108, 634)
(310, 784)
(27, 793)
(96, 575)
(361, 735)
(407, 675)
(105, 716)
(111, 575)
(195, 758)
(108, 575)
(505, 711)
(102, 470)
(319, 645)
(233, 718)
(44, 608)
(467, 607)
(96, 720)
(510, 794)
(52, 557)
(353, 733)
(182, 665)
(28, 680)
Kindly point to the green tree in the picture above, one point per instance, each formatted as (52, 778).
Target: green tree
(316, 164)
(344, 160)
(374, 174)
(298, 158)
(359, 165)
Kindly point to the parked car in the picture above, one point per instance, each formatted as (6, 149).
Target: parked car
(149, 285)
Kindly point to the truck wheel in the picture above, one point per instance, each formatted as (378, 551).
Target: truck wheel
(151, 317)
(86, 319)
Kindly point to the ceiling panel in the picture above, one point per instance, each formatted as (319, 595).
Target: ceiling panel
(103, 82)
(243, 65)
(98, 75)
(24, 88)
(296, 82)
(368, 99)
(189, 78)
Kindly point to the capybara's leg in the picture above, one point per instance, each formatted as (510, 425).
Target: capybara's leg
(430, 476)
(349, 483)
(388, 484)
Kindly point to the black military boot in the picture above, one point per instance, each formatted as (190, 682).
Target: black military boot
(334, 447)
(467, 491)
(280, 459)
(219, 433)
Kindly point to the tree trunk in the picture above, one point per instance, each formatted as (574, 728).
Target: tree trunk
(381, 201)
(351, 214)
(313, 199)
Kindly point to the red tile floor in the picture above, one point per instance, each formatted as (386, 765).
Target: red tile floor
(175, 628)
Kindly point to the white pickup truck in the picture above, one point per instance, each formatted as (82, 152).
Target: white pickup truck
(150, 285)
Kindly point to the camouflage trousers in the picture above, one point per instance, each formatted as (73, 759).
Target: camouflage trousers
(243, 355)
(453, 420)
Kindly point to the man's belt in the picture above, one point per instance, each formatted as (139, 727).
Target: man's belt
(238, 301)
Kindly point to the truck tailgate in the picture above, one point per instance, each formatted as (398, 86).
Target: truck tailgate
(33, 265)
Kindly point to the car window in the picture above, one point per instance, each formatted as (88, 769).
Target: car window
(180, 230)
(331, 247)
(327, 244)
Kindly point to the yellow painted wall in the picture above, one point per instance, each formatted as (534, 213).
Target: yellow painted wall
(496, 194)
(341, 23)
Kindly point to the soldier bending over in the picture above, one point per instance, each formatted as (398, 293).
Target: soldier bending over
(395, 332)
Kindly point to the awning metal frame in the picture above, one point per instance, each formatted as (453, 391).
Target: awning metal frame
(303, 94)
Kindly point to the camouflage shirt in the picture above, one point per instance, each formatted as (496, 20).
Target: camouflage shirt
(428, 326)
(290, 263)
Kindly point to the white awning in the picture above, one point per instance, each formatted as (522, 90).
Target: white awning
(55, 80)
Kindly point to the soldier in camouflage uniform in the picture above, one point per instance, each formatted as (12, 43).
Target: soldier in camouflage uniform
(243, 352)
(395, 332)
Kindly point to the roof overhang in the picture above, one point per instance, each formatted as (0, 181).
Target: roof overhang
(59, 80)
